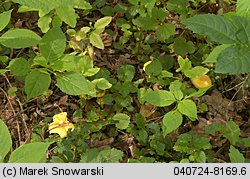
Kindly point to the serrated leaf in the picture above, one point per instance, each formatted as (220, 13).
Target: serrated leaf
(103, 22)
(75, 84)
(96, 40)
(188, 108)
(235, 155)
(36, 83)
(19, 66)
(159, 98)
(30, 153)
(19, 38)
(217, 28)
(213, 56)
(171, 121)
(44, 23)
(5, 140)
(67, 15)
(53, 44)
(165, 31)
(122, 119)
(4, 19)
(243, 25)
(233, 60)
(243, 8)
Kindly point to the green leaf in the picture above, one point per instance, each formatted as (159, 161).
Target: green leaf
(231, 132)
(243, 8)
(181, 47)
(146, 23)
(5, 140)
(191, 142)
(104, 156)
(103, 22)
(36, 83)
(235, 155)
(40, 60)
(44, 23)
(171, 121)
(178, 6)
(122, 119)
(75, 84)
(185, 64)
(2, 71)
(126, 72)
(188, 108)
(53, 44)
(67, 15)
(200, 157)
(102, 83)
(175, 88)
(159, 13)
(19, 66)
(217, 28)
(165, 31)
(45, 6)
(159, 98)
(243, 25)
(91, 72)
(213, 56)
(4, 19)
(19, 38)
(96, 40)
(233, 60)
(196, 72)
(154, 68)
(30, 153)
(198, 93)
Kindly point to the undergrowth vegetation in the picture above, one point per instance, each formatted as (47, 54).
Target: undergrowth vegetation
(124, 81)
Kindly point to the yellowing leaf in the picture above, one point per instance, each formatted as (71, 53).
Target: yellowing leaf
(201, 82)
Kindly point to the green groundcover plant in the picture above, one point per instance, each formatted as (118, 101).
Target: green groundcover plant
(169, 80)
